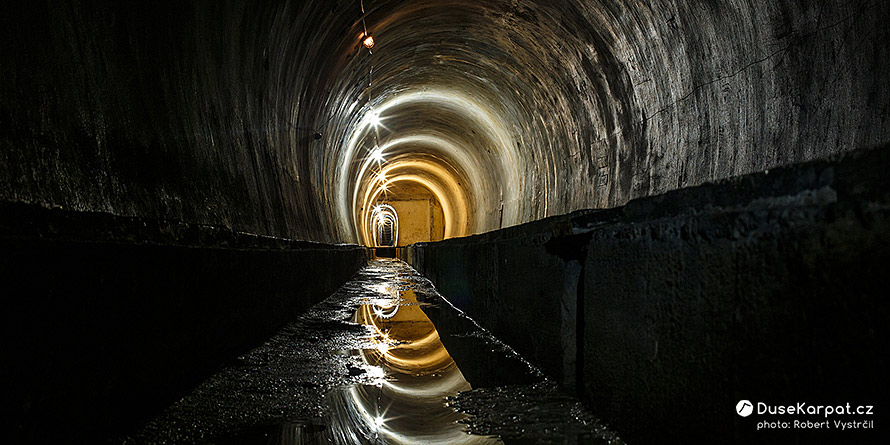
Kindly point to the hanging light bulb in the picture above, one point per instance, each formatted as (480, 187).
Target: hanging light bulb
(377, 154)
(374, 118)
(368, 41)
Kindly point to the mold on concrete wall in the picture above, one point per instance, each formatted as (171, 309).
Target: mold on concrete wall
(664, 313)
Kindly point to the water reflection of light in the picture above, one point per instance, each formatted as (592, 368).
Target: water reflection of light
(385, 311)
(411, 374)
(375, 373)
(387, 289)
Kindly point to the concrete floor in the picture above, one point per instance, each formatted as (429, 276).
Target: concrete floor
(368, 365)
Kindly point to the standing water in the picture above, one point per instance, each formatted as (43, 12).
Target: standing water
(368, 366)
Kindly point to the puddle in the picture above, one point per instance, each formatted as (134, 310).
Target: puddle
(369, 366)
(413, 372)
(411, 375)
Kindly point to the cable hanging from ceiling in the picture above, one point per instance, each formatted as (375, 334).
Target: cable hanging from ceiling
(376, 153)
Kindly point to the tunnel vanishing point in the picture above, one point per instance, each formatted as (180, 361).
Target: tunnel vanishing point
(668, 207)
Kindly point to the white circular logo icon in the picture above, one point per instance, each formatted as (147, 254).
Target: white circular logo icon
(744, 408)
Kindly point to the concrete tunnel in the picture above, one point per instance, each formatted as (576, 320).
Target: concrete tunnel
(668, 208)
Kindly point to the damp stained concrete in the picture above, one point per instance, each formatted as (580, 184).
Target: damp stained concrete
(368, 365)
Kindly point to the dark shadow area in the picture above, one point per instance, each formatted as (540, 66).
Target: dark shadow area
(99, 334)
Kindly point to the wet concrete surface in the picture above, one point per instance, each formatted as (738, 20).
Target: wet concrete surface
(368, 365)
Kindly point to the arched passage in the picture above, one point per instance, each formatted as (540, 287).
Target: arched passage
(383, 226)
(260, 116)
(220, 145)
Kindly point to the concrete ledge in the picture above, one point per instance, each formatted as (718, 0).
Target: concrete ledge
(105, 326)
(666, 312)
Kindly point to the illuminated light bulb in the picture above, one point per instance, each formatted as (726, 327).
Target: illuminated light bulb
(377, 154)
(381, 177)
(379, 421)
(368, 42)
(374, 118)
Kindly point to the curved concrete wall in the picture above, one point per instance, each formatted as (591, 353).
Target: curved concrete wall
(255, 115)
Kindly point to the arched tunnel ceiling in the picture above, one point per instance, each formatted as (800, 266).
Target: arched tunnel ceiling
(260, 115)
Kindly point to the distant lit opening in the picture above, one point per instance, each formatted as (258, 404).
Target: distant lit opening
(384, 225)
(420, 213)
